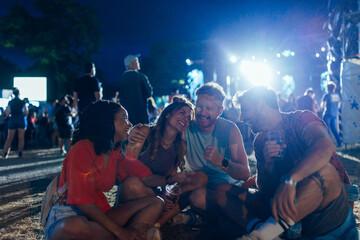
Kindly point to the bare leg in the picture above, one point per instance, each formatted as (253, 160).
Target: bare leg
(21, 136)
(133, 188)
(9, 139)
(68, 144)
(78, 227)
(61, 144)
(147, 209)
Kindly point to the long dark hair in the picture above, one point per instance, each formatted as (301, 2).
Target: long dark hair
(97, 125)
(153, 141)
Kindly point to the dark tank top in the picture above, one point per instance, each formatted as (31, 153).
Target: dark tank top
(164, 161)
(16, 107)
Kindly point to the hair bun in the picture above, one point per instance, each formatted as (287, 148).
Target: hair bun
(178, 98)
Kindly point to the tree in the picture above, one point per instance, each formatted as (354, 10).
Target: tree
(60, 38)
(8, 71)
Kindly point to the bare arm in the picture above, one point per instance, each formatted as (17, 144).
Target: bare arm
(25, 110)
(75, 100)
(137, 137)
(97, 95)
(318, 154)
(7, 111)
(238, 166)
(319, 150)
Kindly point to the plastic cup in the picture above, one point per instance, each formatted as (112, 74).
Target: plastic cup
(277, 136)
(172, 191)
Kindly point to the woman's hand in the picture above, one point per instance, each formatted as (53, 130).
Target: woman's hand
(138, 134)
(169, 204)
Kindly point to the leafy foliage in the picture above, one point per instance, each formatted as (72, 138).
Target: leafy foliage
(59, 38)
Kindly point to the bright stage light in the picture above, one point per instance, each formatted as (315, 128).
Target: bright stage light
(33, 88)
(292, 53)
(278, 55)
(257, 73)
(233, 59)
(4, 102)
(317, 55)
(188, 62)
(323, 49)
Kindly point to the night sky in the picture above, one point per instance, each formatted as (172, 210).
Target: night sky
(132, 26)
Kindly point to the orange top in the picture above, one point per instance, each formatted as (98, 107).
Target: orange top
(87, 178)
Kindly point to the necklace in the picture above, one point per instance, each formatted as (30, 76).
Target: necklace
(166, 144)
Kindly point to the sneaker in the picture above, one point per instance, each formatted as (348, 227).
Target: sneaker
(340, 146)
(254, 235)
(6, 155)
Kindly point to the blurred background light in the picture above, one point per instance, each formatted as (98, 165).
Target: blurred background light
(188, 62)
(317, 55)
(233, 59)
(33, 88)
(257, 73)
(323, 49)
(278, 55)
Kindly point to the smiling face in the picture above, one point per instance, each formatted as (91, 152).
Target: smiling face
(180, 118)
(206, 113)
(122, 125)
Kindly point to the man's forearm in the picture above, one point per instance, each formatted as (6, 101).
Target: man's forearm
(238, 171)
(317, 157)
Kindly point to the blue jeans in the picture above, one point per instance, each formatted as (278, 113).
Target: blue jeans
(332, 125)
(346, 231)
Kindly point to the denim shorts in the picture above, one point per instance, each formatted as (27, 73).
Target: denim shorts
(57, 213)
(16, 122)
(346, 231)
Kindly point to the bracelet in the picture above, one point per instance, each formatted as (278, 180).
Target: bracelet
(288, 180)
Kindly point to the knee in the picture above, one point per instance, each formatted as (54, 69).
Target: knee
(202, 178)
(220, 194)
(157, 203)
(133, 186)
(198, 198)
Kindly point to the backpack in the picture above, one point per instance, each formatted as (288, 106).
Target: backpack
(52, 195)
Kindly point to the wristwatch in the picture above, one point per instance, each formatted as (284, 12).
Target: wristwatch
(288, 180)
(224, 163)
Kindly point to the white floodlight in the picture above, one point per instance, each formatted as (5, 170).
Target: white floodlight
(33, 88)
(233, 59)
(188, 62)
(292, 53)
(323, 49)
(278, 55)
(257, 73)
(317, 55)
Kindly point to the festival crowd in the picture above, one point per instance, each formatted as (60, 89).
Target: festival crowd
(189, 160)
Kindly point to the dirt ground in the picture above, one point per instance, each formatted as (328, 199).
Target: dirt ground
(20, 206)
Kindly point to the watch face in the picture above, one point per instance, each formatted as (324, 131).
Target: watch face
(225, 163)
